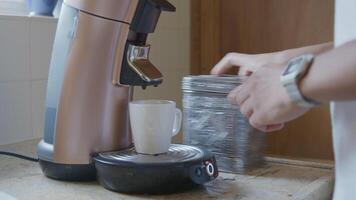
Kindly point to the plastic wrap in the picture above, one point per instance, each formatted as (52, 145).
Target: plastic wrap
(211, 122)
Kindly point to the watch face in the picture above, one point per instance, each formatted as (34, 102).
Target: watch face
(292, 66)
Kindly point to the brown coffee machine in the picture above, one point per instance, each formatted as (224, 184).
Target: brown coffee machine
(99, 54)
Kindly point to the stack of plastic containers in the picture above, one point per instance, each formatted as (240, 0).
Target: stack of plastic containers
(211, 122)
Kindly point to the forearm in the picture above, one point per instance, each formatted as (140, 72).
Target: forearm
(332, 76)
(286, 55)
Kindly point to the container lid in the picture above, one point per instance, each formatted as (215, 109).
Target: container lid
(211, 83)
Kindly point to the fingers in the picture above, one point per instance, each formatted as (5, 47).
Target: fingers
(232, 60)
(245, 71)
(274, 127)
(233, 95)
(238, 95)
(254, 122)
(241, 96)
(229, 61)
(246, 108)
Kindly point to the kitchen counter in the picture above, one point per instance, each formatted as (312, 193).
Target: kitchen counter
(280, 179)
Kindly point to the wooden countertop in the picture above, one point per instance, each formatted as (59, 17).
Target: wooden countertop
(280, 179)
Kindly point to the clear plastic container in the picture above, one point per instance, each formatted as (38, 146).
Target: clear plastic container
(211, 122)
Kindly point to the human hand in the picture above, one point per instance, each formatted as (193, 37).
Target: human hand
(264, 100)
(247, 63)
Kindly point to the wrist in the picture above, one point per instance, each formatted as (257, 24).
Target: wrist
(283, 57)
(288, 54)
(280, 57)
(308, 83)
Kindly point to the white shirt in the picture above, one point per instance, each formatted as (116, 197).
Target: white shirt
(344, 113)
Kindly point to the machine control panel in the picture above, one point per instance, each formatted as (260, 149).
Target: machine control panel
(210, 169)
(205, 171)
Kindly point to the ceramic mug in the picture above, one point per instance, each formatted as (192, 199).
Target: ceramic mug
(153, 124)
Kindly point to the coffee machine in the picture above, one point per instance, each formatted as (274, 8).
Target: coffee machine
(99, 55)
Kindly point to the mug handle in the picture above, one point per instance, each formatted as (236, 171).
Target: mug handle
(177, 122)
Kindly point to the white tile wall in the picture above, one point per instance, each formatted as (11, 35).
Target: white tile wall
(38, 89)
(41, 41)
(15, 111)
(13, 7)
(14, 44)
(25, 49)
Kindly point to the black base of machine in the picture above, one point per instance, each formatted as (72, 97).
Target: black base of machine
(144, 181)
(66, 172)
(182, 168)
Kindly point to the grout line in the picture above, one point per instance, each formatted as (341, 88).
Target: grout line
(30, 73)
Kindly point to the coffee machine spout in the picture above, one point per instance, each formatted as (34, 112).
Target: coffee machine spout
(136, 69)
(137, 59)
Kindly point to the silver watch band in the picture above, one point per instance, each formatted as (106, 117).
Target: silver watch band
(291, 76)
(297, 97)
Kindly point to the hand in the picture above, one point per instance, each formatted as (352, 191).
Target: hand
(264, 100)
(247, 63)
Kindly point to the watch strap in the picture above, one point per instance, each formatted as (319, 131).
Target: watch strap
(294, 93)
(292, 84)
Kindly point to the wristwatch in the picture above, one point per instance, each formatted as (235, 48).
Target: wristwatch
(291, 76)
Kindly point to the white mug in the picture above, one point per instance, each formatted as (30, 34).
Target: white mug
(153, 124)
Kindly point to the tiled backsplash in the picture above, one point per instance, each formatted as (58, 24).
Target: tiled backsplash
(20, 7)
(25, 49)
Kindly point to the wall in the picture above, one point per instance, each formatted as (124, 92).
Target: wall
(24, 56)
(25, 47)
(20, 8)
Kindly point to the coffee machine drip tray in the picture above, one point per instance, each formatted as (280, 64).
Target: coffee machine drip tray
(182, 167)
(176, 154)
